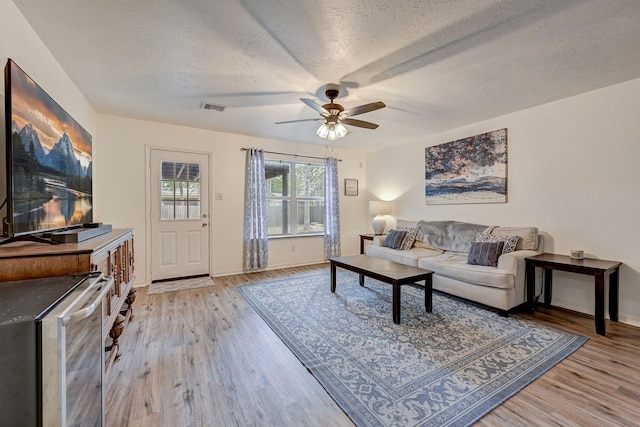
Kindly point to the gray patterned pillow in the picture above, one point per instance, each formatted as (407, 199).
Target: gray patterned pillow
(394, 239)
(485, 253)
(510, 242)
(409, 237)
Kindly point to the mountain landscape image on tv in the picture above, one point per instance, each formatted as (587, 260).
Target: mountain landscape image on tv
(49, 160)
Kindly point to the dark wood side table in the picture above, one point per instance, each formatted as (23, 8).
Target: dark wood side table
(364, 237)
(593, 267)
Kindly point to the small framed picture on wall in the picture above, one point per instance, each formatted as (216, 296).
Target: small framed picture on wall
(350, 187)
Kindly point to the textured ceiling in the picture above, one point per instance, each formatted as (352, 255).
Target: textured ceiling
(437, 64)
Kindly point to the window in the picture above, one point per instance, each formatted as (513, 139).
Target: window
(180, 191)
(295, 197)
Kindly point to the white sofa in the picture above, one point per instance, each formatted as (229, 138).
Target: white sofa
(443, 247)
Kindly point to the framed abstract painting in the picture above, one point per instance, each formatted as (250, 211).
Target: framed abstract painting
(469, 170)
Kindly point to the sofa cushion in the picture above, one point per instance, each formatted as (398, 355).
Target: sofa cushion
(454, 265)
(449, 235)
(528, 236)
(409, 257)
(510, 242)
(394, 239)
(485, 253)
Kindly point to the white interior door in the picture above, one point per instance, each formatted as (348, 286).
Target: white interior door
(179, 214)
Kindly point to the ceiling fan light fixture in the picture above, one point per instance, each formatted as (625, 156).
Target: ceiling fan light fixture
(323, 131)
(333, 135)
(333, 114)
(340, 130)
(331, 131)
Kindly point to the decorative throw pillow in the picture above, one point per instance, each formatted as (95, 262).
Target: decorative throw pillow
(409, 237)
(394, 239)
(485, 253)
(510, 242)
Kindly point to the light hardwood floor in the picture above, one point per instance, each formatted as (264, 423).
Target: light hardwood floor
(204, 357)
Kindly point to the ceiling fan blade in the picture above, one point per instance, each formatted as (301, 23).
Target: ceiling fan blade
(319, 108)
(364, 108)
(359, 123)
(301, 120)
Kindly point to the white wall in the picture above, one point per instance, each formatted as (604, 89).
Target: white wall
(121, 187)
(573, 171)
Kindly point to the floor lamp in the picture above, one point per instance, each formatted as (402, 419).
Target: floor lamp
(379, 208)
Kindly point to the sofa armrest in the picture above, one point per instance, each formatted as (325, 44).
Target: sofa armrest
(379, 239)
(514, 262)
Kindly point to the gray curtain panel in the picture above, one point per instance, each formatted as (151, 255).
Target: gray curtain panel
(256, 236)
(332, 211)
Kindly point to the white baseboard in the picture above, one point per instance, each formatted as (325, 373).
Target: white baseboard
(569, 305)
(270, 267)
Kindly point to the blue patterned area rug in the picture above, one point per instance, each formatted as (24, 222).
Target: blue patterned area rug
(445, 368)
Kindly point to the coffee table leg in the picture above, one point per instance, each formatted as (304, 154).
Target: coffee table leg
(361, 279)
(396, 302)
(428, 294)
(333, 276)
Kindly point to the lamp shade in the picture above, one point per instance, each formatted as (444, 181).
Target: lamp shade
(379, 207)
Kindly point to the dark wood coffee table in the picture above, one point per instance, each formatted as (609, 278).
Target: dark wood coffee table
(388, 272)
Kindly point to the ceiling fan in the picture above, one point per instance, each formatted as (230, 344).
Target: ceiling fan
(335, 116)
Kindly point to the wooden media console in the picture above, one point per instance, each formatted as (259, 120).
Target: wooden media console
(112, 253)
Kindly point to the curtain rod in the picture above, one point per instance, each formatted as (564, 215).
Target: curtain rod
(292, 155)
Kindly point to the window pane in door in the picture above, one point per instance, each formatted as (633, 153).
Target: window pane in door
(194, 191)
(181, 209)
(182, 170)
(167, 209)
(167, 188)
(168, 170)
(194, 172)
(194, 209)
(181, 190)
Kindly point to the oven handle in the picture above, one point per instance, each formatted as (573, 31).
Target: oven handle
(88, 311)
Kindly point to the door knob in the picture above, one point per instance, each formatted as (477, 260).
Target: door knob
(204, 224)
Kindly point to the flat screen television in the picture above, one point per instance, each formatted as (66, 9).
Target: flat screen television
(49, 162)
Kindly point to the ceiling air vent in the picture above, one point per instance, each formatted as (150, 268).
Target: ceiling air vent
(216, 107)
